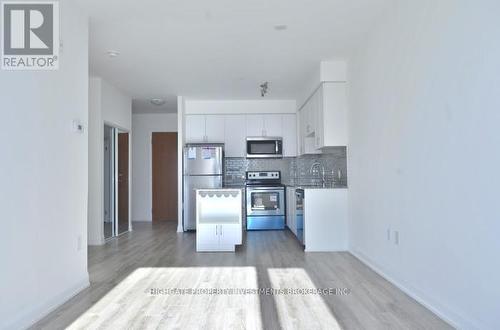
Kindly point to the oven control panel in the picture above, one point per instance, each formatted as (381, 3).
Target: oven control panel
(264, 175)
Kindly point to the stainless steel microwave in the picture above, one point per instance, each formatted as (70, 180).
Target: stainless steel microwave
(264, 147)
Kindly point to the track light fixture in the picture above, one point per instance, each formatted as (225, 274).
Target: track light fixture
(263, 88)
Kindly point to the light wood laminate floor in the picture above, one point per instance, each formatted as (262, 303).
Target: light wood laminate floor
(124, 272)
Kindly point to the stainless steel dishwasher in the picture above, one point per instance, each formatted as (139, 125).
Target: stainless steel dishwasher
(299, 214)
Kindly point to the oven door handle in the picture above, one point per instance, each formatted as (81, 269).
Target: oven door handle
(277, 189)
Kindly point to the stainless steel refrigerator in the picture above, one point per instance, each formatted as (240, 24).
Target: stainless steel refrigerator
(203, 168)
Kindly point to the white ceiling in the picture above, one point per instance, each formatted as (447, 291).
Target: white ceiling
(220, 49)
(143, 105)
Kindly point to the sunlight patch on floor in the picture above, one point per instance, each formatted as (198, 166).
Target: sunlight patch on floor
(149, 298)
(300, 311)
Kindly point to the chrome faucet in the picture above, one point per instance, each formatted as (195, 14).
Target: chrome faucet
(319, 166)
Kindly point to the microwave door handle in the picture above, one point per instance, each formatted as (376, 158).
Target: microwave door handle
(276, 147)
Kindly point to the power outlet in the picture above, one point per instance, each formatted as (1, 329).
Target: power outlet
(396, 237)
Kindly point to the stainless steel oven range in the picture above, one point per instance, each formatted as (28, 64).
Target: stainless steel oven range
(265, 200)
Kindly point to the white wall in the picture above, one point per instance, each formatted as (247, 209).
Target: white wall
(239, 106)
(143, 126)
(113, 107)
(181, 123)
(425, 116)
(43, 175)
(108, 174)
(116, 106)
(96, 137)
(325, 71)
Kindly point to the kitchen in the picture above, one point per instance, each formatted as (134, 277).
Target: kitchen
(291, 171)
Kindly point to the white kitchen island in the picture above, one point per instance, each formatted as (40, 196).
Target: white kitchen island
(218, 219)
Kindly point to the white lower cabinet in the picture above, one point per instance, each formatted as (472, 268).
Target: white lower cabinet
(222, 237)
(229, 236)
(207, 237)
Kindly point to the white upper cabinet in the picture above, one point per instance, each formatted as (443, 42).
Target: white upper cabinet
(323, 119)
(289, 126)
(333, 132)
(273, 125)
(300, 132)
(235, 135)
(255, 125)
(205, 128)
(264, 125)
(232, 130)
(195, 128)
(214, 128)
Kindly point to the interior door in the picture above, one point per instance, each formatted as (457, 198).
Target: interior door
(164, 169)
(123, 182)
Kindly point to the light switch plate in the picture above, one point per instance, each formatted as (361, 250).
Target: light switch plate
(77, 126)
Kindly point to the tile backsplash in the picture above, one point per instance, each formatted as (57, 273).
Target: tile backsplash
(294, 170)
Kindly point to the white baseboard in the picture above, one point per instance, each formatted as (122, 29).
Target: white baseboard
(456, 320)
(30, 316)
(96, 242)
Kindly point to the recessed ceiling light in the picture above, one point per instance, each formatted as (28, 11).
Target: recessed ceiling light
(113, 53)
(280, 27)
(158, 102)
